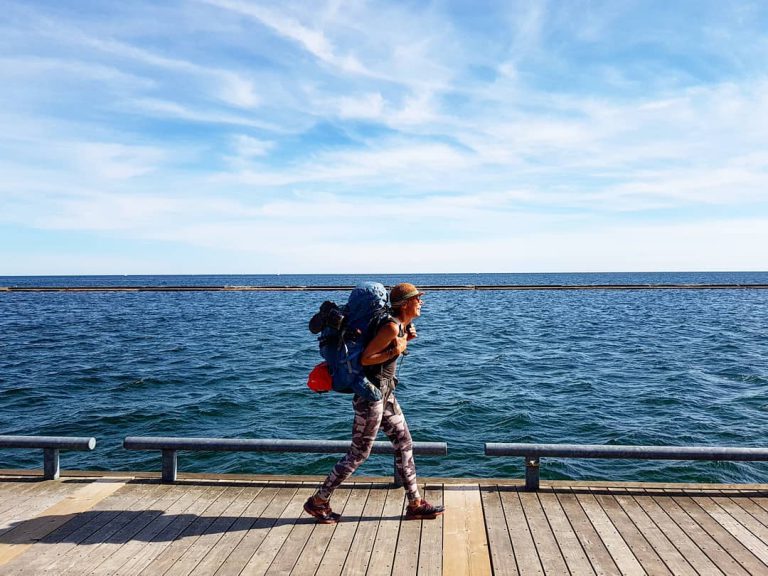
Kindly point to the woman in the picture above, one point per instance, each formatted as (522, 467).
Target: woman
(379, 361)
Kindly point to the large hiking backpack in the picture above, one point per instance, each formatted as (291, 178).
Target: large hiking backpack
(344, 333)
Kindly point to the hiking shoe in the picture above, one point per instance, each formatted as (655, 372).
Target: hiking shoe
(423, 510)
(321, 510)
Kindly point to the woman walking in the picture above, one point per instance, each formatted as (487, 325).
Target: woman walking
(379, 362)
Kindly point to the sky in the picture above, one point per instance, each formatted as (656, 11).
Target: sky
(255, 137)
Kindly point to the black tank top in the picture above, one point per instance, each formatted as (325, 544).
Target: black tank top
(386, 371)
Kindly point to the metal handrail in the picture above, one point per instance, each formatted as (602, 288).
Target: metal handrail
(50, 445)
(169, 446)
(533, 452)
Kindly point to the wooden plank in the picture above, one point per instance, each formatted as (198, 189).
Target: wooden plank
(48, 549)
(480, 559)
(499, 543)
(621, 553)
(338, 547)
(601, 560)
(644, 553)
(86, 559)
(103, 529)
(14, 508)
(128, 531)
(676, 534)
(708, 545)
(222, 518)
(13, 485)
(317, 543)
(520, 534)
(14, 493)
(281, 495)
(735, 549)
(121, 497)
(547, 548)
(25, 535)
(465, 544)
(749, 503)
(670, 555)
(133, 552)
(294, 544)
(751, 533)
(167, 527)
(406, 560)
(158, 535)
(383, 554)
(269, 548)
(431, 547)
(748, 513)
(259, 500)
(570, 547)
(360, 550)
(759, 497)
(166, 539)
(35, 501)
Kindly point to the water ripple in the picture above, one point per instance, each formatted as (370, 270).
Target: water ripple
(671, 368)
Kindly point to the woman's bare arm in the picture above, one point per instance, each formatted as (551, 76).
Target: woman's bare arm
(385, 345)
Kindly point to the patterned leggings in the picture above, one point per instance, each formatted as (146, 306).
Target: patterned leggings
(369, 416)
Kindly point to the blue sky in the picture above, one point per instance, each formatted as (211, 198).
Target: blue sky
(235, 136)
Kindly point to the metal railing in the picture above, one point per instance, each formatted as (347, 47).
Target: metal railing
(169, 446)
(50, 445)
(533, 452)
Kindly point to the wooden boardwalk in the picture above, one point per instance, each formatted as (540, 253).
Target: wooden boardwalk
(254, 525)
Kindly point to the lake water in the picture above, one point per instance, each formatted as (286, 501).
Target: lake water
(658, 367)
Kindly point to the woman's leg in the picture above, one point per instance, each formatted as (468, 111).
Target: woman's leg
(364, 429)
(396, 428)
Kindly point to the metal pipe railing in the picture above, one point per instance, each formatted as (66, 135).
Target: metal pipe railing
(169, 446)
(50, 445)
(533, 452)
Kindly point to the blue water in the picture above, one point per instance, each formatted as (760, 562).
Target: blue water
(671, 367)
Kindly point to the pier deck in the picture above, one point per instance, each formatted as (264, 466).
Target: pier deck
(226, 525)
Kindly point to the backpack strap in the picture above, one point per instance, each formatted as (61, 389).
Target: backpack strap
(389, 318)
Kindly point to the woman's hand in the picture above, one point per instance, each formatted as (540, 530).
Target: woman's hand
(400, 344)
(410, 331)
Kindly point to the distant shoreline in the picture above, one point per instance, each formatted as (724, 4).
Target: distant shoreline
(346, 288)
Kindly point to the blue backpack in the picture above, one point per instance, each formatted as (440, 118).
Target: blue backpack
(344, 333)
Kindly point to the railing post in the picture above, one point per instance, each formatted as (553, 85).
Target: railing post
(169, 466)
(51, 463)
(531, 473)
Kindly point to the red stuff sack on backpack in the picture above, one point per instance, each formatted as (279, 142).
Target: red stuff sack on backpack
(320, 378)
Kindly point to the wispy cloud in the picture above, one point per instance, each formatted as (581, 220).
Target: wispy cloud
(526, 135)
(311, 40)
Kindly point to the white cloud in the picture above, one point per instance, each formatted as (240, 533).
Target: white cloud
(249, 147)
(710, 245)
(497, 138)
(313, 41)
(369, 106)
(48, 67)
(391, 163)
(232, 87)
(417, 109)
(115, 161)
(238, 91)
(170, 109)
